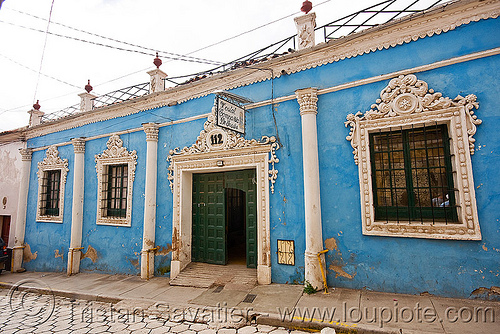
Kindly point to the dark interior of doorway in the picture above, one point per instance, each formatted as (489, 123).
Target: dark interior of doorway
(5, 228)
(236, 226)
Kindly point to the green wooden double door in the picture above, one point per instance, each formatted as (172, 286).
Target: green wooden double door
(225, 217)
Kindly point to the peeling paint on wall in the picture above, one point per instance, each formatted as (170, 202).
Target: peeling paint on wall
(91, 253)
(28, 255)
(149, 243)
(337, 260)
(331, 244)
(176, 243)
(134, 262)
(162, 251)
(492, 293)
(339, 271)
(57, 254)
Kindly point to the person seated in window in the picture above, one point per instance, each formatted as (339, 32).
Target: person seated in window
(441, 201)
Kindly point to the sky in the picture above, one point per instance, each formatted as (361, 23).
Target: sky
(112, 43)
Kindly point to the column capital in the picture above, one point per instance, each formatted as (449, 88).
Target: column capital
(151, 130)
(78, 145)
(26, 154)
(307, 99)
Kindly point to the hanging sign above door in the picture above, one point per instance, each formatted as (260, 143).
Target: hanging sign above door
(230, 116)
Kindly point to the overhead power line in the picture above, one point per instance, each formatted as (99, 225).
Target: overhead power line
(106, 45)
(207, 61)
(252, 30)
(43, 74)
(43, 50)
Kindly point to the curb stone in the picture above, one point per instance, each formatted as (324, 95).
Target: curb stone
(297, 324)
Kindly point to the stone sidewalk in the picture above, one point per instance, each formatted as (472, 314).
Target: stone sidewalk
(277, 305)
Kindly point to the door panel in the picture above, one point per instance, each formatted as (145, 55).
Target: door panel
(209, 237)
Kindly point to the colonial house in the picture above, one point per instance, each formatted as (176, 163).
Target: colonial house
(372, 156)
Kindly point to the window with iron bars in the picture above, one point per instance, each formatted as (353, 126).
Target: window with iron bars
(412, 175)
(114, 191)
(50, 188)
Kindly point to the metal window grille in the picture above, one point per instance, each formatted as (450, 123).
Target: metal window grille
(286, 252)
(412, 175)
(114, 191)
(51, 185)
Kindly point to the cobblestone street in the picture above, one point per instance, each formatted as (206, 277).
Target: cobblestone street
(27, 312)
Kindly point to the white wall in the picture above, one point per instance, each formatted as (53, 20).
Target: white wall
(10, 178)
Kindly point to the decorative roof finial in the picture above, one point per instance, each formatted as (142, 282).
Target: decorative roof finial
(36, 106)
(306, 6)
(88, 87)
(157, 61)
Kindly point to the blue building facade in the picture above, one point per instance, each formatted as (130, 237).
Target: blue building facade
(387, 79)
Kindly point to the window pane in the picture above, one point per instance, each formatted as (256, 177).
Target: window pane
(117, 190)
(411, 171)
(50, 193)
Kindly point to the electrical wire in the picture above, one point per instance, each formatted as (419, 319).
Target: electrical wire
(43, 74)
(207, 61)
(62, 81)
(43, 50)
(108, 45)
(104, 45)
(252, 30)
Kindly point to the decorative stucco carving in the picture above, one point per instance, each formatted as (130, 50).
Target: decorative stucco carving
(151, 130)
(115, 154)
(221, 142)
(78, 145)
(305, 30)
(405, 95)
(52, 161)
(26, 154)
(405, 102)
(308, 101)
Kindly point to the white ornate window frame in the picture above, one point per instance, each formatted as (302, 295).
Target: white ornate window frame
(206, 156)
(52, 161)
(115, 154)
(404, 103)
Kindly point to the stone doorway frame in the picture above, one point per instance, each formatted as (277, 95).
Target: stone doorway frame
(184, 166)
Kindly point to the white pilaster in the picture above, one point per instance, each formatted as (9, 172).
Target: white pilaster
(156, 80)
(148, 240)
(305, 30)
(17, 252)
(307, 99)
(74, 252)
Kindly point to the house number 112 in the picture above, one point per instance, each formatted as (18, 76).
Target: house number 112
(216, 139)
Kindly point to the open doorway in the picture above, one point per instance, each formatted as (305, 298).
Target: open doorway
(224, 229)
(5, 228)
(236, 226)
